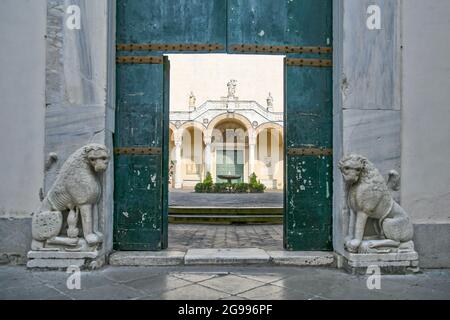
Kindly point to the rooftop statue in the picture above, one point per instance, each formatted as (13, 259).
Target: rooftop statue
(232, 88)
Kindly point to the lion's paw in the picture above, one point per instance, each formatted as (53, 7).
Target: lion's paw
(92, 239)
(353, 245)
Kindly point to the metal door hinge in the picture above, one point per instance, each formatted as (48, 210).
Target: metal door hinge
(139, 60)
(248, 48)
(309, 152)
(170, 47)
(309, 62)
(138, 151)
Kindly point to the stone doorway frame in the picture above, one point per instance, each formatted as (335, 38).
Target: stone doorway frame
(80, 92)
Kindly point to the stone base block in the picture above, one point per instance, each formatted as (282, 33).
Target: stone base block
(61, 260)
(226, 256)
(160, 258)
(389, 263)
(302, 258)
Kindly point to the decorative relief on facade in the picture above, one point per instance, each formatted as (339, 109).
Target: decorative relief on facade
(369, 199)
(75, 193)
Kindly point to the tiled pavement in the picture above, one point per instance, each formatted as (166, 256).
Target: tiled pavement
(238, 283)
(185, 236)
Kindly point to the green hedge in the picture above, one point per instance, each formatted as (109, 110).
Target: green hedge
(207, 186)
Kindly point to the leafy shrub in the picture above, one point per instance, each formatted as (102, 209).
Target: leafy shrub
(207, 186)
(255, 185)
(220, 187)
(241, 187)
(200, 187)
(208, 179)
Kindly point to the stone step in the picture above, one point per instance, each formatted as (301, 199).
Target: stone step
(218, 219)
(226, 210)
(227, 256)
(219, 215)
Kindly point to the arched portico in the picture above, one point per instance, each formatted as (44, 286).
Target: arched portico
(269, 158)
(235, 142)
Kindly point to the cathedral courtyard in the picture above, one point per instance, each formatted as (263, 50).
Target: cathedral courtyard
(224, 150)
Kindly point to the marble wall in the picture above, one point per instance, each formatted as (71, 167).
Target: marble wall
(22, 111)
(367, 99)
(22, 105)
(425, 126)
(80, 105)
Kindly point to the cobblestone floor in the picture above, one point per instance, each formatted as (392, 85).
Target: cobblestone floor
(190, 236)
(214, 283)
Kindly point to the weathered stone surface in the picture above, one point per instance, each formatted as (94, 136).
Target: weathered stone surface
(160, 258)
(302, 258)
(15, 235)
(376, 134)
(385, 257)
(432, 242)
(61, 255)
(389, 263)
(371, 76)
(55, 263)
(226, 256)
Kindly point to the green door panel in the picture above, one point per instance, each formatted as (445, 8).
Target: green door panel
(171, 21)
(139, 105)
(308, 223)
(308, 179)
(138, 194)
(280, 22)
(308, 107)
(138, 206)
(142, 110)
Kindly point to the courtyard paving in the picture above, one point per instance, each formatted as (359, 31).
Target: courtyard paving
(188, 198)
(200, 236)
(217, 283)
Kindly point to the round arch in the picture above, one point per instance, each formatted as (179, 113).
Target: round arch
(225, 116)
(268, 125)
(194, 124)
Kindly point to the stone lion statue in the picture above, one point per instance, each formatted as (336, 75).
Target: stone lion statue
(75, 192)
(368, 196)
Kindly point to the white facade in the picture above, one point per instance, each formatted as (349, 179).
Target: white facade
(260, 148)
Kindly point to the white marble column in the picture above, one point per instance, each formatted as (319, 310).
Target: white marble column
(251, 153)
(207, 157)
(178, 168)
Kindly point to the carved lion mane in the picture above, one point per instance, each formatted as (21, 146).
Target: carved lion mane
(76, 167)
(368, 173)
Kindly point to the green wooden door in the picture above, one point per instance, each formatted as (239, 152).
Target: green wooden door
(145, 31)
(302, 30)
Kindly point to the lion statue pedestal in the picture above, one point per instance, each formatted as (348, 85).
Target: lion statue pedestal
(389, 245)
(65, 229)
